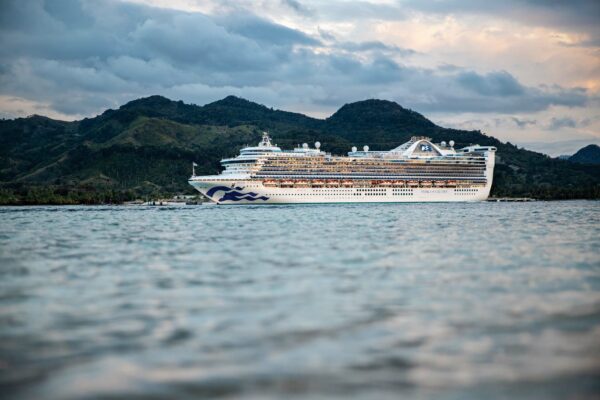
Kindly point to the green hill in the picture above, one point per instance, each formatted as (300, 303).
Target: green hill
(146, 147)
(587, 155)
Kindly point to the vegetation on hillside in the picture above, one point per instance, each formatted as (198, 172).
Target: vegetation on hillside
(588, 155)
(145, 149)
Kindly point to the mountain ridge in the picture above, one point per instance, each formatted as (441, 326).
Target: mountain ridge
(145, 147)
(589, 154)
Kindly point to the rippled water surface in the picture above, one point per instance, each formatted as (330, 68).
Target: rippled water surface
(457, 301)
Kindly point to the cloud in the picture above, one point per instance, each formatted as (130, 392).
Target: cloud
(336, 10)
(523, 123)
(326, 35)
(374, 45)
(580, 16)
(493, 84)
(561, 123)
(298, 7)
(263, 31)
(194, 39)
(557, 148)
(577, 15)
(79, 57)
(494, 92)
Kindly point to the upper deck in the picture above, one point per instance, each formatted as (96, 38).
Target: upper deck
(419, 158)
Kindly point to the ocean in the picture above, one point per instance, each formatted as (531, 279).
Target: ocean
(352, 301)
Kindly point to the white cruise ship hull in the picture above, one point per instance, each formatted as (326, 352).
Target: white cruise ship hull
(223, 191)
(416, 171)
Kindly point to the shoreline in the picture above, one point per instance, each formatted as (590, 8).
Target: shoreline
(200, 203)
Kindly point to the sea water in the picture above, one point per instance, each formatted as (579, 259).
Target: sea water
(456, 301)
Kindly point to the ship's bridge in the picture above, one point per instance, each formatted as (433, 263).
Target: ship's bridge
(253, 152)
(265, 146)
(248, 156)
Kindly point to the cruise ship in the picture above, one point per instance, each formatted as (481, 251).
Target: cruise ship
(416, 171)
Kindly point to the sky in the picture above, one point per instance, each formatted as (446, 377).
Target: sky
(524, 71)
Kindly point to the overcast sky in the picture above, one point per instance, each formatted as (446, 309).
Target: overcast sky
(526, 71)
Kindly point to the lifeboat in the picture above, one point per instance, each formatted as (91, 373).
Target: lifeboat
(287, 183)
(317, 183)
(347, 183)
(426, 183)
(333, 183)
(385, 183)
(301, 183)
(439, 183)
(270, 182)
(451, 183)
(398, 183)
(413, 183)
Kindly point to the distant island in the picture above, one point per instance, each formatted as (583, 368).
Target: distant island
(144, 150)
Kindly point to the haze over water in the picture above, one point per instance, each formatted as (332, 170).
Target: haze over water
(457, 301)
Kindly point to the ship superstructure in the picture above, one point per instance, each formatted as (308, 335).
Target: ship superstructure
(416, 171)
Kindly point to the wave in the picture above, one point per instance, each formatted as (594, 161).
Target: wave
(235, 194)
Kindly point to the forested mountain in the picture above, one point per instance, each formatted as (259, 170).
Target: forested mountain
(587, 155)
(146, 147)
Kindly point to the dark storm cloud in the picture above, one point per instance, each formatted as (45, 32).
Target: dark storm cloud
(79, 57)
(193, 39)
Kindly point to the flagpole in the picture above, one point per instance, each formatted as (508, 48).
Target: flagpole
(194, 168)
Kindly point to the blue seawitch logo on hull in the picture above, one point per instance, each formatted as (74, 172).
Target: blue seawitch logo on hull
(234, 194)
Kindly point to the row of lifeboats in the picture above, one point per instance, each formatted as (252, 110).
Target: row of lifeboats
(336, 183)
